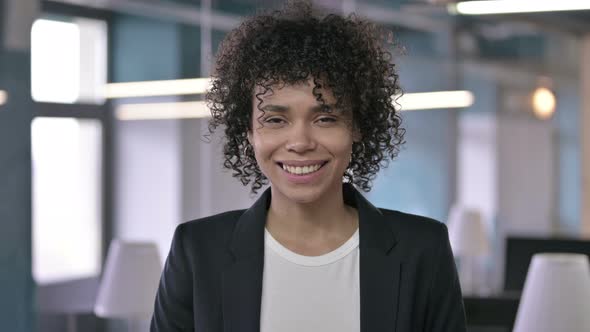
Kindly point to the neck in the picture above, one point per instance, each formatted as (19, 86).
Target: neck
(325, 218)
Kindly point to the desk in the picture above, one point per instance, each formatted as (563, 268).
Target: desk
(495, 311)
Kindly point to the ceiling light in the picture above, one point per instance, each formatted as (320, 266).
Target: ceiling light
(544, 103)
(162, 111)
(410, 101)
(435, 100)
(489, 7)
(157, 88)
(199, 109)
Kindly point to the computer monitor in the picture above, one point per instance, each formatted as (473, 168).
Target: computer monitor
(520, 251)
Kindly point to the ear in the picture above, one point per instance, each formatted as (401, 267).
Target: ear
(250, 139)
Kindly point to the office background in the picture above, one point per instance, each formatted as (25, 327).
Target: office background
(75, 172)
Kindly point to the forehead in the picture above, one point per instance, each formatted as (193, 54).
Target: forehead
(302, 92)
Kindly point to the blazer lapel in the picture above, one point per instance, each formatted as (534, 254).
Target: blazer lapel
(242, 281)
(379, 273)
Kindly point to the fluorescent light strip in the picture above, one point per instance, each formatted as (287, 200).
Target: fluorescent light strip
(157, 88)
(3, 97)
(490, 7)
(435, 100)
(443, 99)
(199, 109)
(162, 111)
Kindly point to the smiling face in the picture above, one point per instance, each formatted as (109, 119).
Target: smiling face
(302, 149)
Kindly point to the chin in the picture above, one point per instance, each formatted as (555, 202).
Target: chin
(303, 194)
(301, 198)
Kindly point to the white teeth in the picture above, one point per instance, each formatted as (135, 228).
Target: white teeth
(301, 170)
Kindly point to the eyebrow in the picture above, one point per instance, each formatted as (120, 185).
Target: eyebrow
(284, 109)
(275, 108)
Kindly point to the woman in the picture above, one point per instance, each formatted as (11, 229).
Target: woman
(306, 104)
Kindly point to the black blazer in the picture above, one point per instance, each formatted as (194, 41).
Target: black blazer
(212, 279)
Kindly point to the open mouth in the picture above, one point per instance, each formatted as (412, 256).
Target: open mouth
(302, 170)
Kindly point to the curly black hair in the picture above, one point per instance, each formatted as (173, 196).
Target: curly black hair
(348, 55)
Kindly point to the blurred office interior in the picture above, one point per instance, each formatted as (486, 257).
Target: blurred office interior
(85, 160)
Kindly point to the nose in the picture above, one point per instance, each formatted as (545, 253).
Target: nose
(300, 139)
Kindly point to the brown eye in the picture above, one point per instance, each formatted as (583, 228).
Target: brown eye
(274, 122)
(326, 120)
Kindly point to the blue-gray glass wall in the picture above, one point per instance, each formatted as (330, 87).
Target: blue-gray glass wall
(16, 284)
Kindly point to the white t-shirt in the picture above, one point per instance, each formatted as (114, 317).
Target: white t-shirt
(310, 293)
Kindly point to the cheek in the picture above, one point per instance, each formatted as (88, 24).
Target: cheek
(343, 149)
(340, 152)
(339, 142)
(263, 147)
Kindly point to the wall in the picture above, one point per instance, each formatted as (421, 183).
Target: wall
(147, 160)
(147, 169)
(520, 171)
(422, 179)
(16, 283)
(167, 173)
(584, 49)
(207, 187)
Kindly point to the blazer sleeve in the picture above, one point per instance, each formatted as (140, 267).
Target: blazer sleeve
(445, 311)
(173, 310)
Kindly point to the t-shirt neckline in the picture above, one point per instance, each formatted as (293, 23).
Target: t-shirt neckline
(325, 259)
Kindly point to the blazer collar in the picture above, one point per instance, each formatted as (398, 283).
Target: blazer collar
(380, 272)
(248, 235)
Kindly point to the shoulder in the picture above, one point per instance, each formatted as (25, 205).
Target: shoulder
(414, 230)
(413, 224)
(216, 228)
